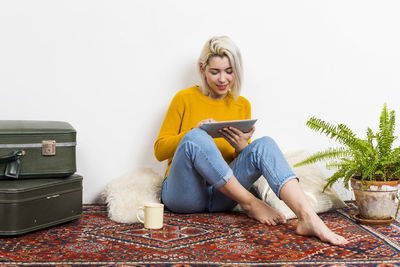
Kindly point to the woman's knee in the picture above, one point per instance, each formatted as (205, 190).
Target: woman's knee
(265, 142)
(197, 138)
(196, 135)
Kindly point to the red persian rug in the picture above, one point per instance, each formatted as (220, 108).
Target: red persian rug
(219, 239)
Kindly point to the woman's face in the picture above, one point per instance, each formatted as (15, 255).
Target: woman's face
(219, 75)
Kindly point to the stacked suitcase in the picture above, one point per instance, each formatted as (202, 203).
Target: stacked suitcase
(38, 184)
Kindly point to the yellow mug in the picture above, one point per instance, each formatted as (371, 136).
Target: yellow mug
(152, 215)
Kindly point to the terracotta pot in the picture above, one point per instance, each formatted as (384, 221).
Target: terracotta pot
(375, 200)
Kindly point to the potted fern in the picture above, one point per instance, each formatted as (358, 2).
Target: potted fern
(371, 165)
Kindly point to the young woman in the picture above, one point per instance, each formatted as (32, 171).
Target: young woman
(206, 174)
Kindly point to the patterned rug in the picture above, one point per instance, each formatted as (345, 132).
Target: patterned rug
(219, 239)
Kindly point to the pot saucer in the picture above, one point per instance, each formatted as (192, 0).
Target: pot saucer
(371, 221)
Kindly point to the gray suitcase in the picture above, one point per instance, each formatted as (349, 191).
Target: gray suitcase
(31, 204)
(36, 149)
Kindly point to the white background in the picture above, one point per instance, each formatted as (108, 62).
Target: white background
(110, 68)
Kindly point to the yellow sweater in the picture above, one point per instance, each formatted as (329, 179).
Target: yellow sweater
(187, 109)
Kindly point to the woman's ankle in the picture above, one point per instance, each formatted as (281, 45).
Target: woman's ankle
(250, 203)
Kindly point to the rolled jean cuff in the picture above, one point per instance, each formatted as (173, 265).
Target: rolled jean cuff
(224, 179)
(283, 183)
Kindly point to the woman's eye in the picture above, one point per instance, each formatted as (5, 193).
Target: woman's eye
(229, 72)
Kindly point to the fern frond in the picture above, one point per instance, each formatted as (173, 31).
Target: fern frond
(328, 154)
(322, 126)
(393, 161)
(396, 174)
(383, 119)
(392, 123)
(372, 169)
(341, 133)
(333, 179)
(385, 136)
(333, 165)
(346, 133)
(346, 179)
(370, 137)
(395, 155)
(341, 163)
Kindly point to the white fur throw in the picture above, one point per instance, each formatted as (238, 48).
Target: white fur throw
(125, 194)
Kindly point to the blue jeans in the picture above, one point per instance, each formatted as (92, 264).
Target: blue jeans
(198, 170)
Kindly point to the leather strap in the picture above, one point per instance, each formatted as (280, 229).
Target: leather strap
(13, 162)
(11, 157)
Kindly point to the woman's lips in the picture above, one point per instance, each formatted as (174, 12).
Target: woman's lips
(222, 87)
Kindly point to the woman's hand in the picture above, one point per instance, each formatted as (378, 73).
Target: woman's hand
(238, 139)
(198, 126)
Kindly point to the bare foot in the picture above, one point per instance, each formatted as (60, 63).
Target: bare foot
(263, 213)
(314, 226)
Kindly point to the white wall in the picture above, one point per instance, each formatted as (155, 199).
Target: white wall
(110, 68)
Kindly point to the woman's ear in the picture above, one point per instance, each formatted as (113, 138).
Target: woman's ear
(202, 70)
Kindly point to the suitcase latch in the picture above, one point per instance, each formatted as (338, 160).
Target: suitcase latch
(48, 148)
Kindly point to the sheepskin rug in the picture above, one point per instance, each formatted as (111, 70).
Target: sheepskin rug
(125, 194)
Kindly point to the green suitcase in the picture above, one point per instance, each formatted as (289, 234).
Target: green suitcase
(28, 205)
(31, 149)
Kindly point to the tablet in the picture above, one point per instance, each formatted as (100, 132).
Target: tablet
(212, 128)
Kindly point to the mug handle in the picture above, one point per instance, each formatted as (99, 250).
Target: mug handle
(137, 215)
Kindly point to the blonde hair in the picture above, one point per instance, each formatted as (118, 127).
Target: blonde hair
(222, 46)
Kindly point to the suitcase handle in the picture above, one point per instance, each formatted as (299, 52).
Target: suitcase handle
(13, 162)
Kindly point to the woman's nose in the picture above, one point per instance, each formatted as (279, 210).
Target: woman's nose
(222, 78)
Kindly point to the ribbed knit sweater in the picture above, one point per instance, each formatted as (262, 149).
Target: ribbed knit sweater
(187, 109)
